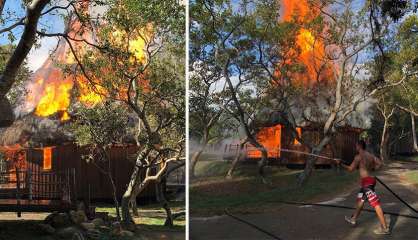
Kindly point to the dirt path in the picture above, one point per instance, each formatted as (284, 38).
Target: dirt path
(311, 222)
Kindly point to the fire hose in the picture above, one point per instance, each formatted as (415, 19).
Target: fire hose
(323, 205)
(251, 225)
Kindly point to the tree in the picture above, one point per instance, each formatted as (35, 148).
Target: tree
(336, 103)
(228, 37)
(387, 110)
(406, 62)
(205, 112)
(400, 63)
(298, 69)
(17, 57)
(138, 60)
(98, 129)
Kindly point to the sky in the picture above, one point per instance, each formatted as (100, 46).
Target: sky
(51, 22)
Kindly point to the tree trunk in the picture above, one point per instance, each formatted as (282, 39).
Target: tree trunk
(414, 133)
(126, 198)
(115, 198)
(235, 161)
(262, 163)
(309, 166)
(384, 141)
(137, 186)
(311, 160)
(195, 159)
(23, 47)
(169, 216)
(134, 207)
(6, 113)
(2, 3)
(264, 157)
(133, 204)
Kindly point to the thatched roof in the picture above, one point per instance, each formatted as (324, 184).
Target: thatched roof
(33, 131)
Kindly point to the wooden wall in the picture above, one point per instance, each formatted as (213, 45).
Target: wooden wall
(342, 146)
(90, 181)
(312, 136)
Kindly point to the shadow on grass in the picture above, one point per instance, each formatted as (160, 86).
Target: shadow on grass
(22, 230)
(151, 216)
(407, 158)
(29, 230)
(246, 193)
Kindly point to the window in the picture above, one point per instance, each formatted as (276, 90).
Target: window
(299, 131)
(47, 158)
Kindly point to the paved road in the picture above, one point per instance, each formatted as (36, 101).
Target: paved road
(320, 223)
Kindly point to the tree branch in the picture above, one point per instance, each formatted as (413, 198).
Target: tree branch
(24, 46)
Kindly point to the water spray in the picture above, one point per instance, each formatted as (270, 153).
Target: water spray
(252, 225)
(296, 151)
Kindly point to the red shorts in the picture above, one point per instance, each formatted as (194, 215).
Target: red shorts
(367, 192)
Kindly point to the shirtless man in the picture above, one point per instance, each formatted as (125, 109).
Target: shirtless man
(366, 162)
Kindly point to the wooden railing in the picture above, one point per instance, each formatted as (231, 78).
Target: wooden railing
(26, 186)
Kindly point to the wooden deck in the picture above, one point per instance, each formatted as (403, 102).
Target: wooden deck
(27, 191)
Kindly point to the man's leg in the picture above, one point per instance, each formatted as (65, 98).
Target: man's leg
(381, 216)
(375, 203)
(359, 207)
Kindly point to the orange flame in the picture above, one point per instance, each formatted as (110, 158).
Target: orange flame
(47, 164)
(51, 91)
(310, 52)
(270, 138)
(311, 47)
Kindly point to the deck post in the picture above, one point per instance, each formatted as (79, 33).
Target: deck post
(74, 187)
(19, 214)
(68, 186)
(29, 183)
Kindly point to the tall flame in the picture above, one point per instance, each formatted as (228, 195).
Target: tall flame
(311, 48)
(50, 91)
(310, 52)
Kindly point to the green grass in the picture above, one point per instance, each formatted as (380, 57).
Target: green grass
(211, 169)
(212, 193)
(152, 216)
(412, 176)
(22, 230)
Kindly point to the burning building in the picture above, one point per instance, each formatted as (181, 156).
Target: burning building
(50, 92)
(283, 148)
(38, 155)
(317, 77)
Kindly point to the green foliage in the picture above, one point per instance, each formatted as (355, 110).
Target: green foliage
(400, 64)
(102, 125)
(138, 61)
(406, 60)
(207, 120)
(18, 90)
(239, 40)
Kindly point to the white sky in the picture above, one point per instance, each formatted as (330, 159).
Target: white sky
(37, 56)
